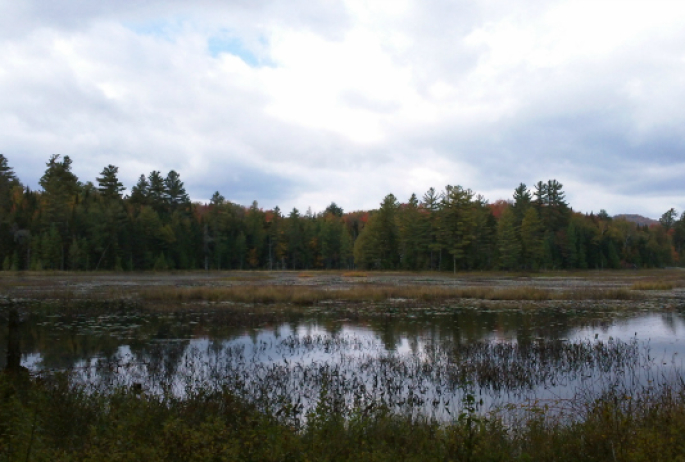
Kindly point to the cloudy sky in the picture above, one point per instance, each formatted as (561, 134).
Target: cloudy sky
(305, 102)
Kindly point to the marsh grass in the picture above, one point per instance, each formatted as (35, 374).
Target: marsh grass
(249, 277)
(56, 419)
(652, 285)
(355, 274)
(305, 295)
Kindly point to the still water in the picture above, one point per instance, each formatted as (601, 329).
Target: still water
(422, 362)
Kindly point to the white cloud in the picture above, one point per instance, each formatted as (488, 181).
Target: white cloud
(311, 102)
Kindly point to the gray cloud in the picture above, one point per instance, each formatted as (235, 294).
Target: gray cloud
(346, 101)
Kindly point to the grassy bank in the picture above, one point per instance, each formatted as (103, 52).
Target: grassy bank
(54, 420)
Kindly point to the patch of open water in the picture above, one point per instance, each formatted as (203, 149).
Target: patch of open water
(418, 363)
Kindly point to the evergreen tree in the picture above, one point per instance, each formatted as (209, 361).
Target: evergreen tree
(156, 191)
(140, 192)
(241, 249)
(378, 244)
(8, 181)
(668, 219)
(346, 249)
(387, 237)
(256, 234)
(295, 238)
(60, 192)
(532, 235)
(540, 196)
(109, 185)
(413, 234)
(522, 202)
(431, 203)
(334, 210)
(174, 191)
(457, 223)
(557, 211)
(9, 186)
(508, 243)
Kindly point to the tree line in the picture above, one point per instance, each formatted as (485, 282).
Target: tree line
(71, 225)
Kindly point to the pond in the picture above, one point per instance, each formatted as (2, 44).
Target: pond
(430, 361)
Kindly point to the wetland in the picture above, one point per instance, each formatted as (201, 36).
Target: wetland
(450, 352)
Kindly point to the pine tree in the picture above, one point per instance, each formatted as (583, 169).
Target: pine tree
(522, 202)
(8, 181)
(295, 239)
(156, 191)
(668, 219)
(457, 223)
(346, 249)
(557, 212)
(60, 193)
(240, 249)
(140, 192)
(431, 203)
(256, 234)
(532, 235)
(174, 191)
(571, 253)
(508, 243)
(413, 234)
(109, 185)
(387, 235)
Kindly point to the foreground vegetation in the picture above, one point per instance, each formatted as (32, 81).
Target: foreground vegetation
(52, 419)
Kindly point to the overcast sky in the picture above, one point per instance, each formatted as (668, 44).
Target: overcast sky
(299, 103)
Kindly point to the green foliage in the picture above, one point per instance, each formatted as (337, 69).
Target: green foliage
(55, 419)
(161, 264)
(457, 223)
(378, 244)
(508, 243)
(69, 225)
(532, 234)
(109, 185)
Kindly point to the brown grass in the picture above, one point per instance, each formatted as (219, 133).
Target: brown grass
(355, 274)
(652, 285)
(249, 277)
(300, 295)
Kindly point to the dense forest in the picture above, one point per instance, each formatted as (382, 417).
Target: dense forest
(71, 225)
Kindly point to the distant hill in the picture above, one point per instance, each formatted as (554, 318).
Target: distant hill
(638, 219)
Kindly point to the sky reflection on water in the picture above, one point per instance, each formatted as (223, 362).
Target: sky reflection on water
(409, 362)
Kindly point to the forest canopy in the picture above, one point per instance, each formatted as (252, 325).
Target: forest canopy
(71, 225)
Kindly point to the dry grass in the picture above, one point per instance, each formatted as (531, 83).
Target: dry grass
(305, 275)
(249, 277)
(300, 295)
(355, 274)
(652, 285)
